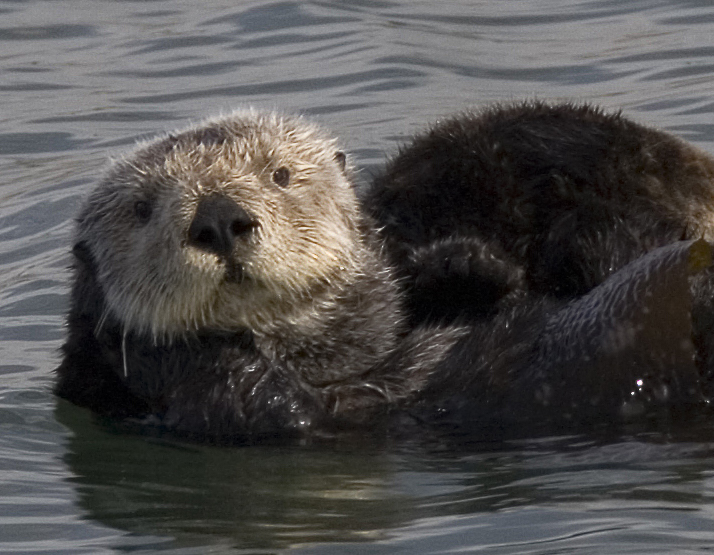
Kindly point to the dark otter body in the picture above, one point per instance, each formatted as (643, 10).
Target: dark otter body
(546, 198)
(228, 287)
(539, 199)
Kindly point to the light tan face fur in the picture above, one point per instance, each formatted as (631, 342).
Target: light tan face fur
(306, 236)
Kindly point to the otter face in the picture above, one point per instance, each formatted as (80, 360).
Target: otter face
(239, 223)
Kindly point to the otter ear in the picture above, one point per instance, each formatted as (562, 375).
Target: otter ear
(341, 159)
(81, 252)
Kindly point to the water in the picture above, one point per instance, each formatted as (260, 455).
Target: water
(81, 80)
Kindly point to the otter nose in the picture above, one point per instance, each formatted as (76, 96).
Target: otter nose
(217, 223)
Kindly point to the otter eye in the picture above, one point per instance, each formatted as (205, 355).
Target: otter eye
(142, 211)
(281, 176)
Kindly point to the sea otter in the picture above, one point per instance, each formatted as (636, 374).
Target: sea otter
(226, 280)
(228, 286)
(536, 198)
(552, 198)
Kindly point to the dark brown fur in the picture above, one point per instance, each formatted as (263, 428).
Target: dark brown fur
(549, 198)
(536, 198)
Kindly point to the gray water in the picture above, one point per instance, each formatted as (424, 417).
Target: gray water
(82, 80)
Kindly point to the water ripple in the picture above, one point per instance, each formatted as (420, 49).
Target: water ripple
(35, 143)
(274, 17)
(282, 87)
(46, 32)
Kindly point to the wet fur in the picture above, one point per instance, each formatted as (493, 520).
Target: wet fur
(488, 207)
(532, 196)
(301, 330)
(300, 324)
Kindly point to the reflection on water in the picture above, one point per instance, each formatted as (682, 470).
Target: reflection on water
(260, 497)
(82, 80)
(443, 495)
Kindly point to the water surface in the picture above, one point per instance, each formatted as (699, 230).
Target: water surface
(82, 80)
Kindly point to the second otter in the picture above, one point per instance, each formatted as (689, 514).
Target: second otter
(228, 287)
(542, 199)
(549, 198)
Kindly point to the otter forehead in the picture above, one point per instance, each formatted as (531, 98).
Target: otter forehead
(242, 141)
(203, 227)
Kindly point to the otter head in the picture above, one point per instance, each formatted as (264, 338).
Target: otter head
(244, 222)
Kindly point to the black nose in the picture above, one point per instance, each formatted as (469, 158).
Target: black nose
(217, 223)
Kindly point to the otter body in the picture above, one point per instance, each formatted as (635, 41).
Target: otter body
(228, 286)
(550, 199)
(528, 199)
